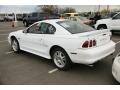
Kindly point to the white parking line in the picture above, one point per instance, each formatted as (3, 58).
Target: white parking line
(6, 30)
(116, 39)
(9, 52)
(117, 42)
(3, 30)
(3, 34)
(53, 70)
(3, 41)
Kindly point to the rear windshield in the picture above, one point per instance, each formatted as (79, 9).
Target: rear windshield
(75, 27)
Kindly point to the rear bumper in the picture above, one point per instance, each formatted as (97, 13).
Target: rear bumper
(90, 56)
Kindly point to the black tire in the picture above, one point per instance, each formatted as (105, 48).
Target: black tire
(15, 45)
(67, 60)
(102, 27)
(25, 24)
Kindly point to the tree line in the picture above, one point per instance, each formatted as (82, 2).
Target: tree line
(55, 9)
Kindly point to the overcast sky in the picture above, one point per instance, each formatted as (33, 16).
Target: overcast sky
(31, 8)
(87, 8)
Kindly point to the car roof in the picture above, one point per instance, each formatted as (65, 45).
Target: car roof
(52, 20)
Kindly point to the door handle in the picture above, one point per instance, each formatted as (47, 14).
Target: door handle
(104, 34)
(40, 39)
(18, 38)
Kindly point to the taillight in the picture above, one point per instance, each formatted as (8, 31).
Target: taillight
(85, 44)
(94, 42)
(89, 43)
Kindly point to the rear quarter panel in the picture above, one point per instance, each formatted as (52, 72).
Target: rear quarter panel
(69, 43)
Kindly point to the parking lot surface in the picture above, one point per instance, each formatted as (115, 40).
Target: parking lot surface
(26, 68)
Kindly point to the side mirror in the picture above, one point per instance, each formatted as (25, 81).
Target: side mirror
(25, 31)
(113, 18)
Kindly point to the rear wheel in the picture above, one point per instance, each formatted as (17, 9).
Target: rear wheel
(15, 45)
(61, 59)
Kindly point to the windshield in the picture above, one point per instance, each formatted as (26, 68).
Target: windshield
(75, 27)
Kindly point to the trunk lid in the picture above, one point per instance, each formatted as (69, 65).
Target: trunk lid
(101, 36)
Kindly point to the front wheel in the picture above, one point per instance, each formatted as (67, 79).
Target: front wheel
(15, 45)
(61, 59)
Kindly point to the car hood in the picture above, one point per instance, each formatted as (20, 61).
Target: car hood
(16, 32)
(104, 20)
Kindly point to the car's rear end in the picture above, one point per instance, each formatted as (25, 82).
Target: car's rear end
(92, 45)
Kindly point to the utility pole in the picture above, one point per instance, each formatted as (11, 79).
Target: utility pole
(108, 9)
(98, 8)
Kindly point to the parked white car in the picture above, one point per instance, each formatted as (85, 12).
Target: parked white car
(116, 68)
(64, 41)
(111, 23)
(9, 17)
(1, 19)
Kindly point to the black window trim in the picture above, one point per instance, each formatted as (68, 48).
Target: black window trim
(114, 17)
(51, 25)
(30, 27)
(26, 30)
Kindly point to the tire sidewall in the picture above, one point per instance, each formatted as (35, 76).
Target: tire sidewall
(68, 61)
(25, 24)
(18, 48)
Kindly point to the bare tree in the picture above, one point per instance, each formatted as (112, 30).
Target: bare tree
(48, 8)
(68, 10)
(55, 9)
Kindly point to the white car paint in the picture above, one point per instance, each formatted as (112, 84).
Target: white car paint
(116, 68)
(40, 44)
(111, 23)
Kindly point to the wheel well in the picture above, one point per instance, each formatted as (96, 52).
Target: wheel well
(102, 25)
(53, 47)
(12, 37)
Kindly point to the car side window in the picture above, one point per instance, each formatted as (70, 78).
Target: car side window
(34, 29)
(43, 28)
(117, 17)
(46, 28)
(34, 14)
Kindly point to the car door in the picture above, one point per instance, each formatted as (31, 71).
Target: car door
(48, 31)
(115, 22)
(32, 39)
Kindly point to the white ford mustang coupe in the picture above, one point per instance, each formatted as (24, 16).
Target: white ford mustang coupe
(64, 42)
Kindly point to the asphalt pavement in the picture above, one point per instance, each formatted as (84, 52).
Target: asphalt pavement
(26, 68)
